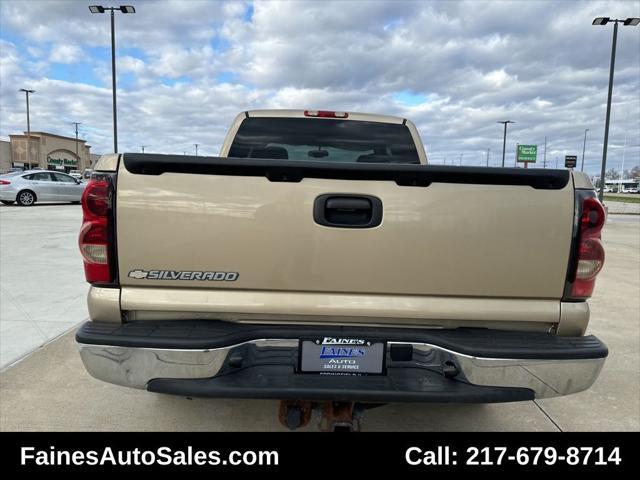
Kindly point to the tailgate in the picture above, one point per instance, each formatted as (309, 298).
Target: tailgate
(206, 226)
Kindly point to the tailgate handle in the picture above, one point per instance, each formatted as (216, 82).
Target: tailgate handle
(347, 211)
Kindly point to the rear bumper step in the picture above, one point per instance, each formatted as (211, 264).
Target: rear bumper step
(221, 359)
(282, 383)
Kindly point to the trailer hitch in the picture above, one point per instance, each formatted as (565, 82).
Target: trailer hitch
(340, 416)
(331, 416)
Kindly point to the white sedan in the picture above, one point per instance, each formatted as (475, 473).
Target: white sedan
(31, 186)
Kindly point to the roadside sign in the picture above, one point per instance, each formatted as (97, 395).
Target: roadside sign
(527, 153)
(570, 161)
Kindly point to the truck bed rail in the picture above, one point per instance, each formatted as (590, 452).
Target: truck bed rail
(295, 171)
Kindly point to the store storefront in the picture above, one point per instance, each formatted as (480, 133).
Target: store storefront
(47, 151)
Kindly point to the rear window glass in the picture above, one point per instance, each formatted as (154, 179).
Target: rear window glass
(326, 140)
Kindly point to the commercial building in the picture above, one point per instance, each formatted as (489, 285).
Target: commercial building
(623, 185)
(46, 151)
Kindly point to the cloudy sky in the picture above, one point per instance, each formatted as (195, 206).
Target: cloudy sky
(186, 68)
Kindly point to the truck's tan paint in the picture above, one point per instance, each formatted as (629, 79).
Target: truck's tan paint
(307, 307)
(107, 163)
(431, 312)
(446, 239)
(447, 252)
(104, 304)
(582, 181)
(444, 256)
(574, 318)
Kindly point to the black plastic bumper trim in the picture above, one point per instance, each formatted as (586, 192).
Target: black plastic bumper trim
(208, 334)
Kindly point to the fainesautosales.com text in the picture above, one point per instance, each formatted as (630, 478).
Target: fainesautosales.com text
(160, 456)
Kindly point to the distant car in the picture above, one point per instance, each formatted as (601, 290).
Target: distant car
(87, 174)
(31, 186)
(76, 174)
(608, 190)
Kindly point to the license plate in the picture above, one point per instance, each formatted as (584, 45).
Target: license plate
(341, 356)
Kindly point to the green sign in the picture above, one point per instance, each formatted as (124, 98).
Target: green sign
(527, 153)
(62, 161)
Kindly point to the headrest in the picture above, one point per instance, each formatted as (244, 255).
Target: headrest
(279, 153)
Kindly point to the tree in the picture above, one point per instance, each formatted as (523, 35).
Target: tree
(612, 174)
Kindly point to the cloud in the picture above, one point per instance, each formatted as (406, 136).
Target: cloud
(186, 68)
(66, 54)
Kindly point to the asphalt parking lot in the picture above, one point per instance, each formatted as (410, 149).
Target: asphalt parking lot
(43, 296)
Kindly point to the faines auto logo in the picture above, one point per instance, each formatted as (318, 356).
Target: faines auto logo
(342, 352)
(343, 347)
(343, 341)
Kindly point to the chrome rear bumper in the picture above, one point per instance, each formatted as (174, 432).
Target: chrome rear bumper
(138, 366)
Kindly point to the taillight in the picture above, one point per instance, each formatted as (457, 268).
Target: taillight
(96, 236)
(325, 114)
(5, 182)
(589, 255)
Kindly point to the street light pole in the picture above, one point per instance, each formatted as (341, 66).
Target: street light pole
(113, 82)
(76, 124)
(142, 147)
(196, 149)
(488, 150)
(584, 145)
(77, 156)
(123, 9)
(26, 93)
(603, 21)
(544, 162)
(504, 138)
(608, 116)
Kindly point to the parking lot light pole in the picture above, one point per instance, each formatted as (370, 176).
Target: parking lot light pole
(196, 144)
(26, 93)
(633, 22)
(76, 124)
(504, 138)
(584, 145)
(123, 9)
